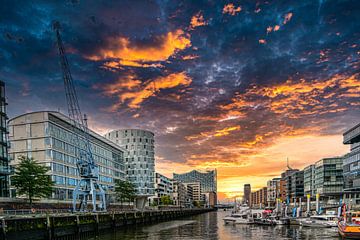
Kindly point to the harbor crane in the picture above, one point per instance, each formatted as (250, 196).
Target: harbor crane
(88, 187)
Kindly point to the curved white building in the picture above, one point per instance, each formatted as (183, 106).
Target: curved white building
(139, 160)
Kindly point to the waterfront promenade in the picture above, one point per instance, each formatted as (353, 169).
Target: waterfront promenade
(42, 225)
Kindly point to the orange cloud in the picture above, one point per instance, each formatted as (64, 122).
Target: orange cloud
(297, 99)
(203, 136)
(225, 131)
(287, 18)
(190, 57)
(125, 53)
(231, 9)
(132, 91)
(197, 20)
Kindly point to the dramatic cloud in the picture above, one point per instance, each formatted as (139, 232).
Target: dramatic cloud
(126, 53)
(236, 87)
(231, 9)
(197, 20)
(131, 91)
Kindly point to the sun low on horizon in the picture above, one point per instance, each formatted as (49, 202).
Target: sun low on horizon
(240, 86)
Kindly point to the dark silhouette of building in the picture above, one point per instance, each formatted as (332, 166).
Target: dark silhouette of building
(247, 192)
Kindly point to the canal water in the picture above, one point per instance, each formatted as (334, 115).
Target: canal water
(211, 226)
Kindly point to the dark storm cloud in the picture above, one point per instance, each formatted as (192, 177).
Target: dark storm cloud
(270, 69)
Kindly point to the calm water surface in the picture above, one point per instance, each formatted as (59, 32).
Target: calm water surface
(211, 226)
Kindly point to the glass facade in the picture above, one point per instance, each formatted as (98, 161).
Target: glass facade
(4, 160)
(329, 176)
(50, 139)
(207, 179)
(309, 180)
(139, 158)
(351, 165)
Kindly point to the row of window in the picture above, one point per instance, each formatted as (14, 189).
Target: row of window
(69, 137)
(61, 180)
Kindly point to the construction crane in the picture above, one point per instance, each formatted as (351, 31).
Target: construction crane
(88, 187)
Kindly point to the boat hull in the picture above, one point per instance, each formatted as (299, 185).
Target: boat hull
(349, 231)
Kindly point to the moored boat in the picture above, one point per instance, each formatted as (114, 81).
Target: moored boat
(349, 225)
(320, 221)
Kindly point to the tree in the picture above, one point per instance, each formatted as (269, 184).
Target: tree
(124, 190)
(166, 200)
(196, 204)
(30, 179)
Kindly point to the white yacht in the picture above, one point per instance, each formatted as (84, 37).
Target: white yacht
(238, 218)
(242, 216)
(324, 221)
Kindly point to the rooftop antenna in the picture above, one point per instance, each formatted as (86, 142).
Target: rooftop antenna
(287, 164)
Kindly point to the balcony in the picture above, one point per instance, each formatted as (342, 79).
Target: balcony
(352, 135)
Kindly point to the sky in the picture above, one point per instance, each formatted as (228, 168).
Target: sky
(235, 85)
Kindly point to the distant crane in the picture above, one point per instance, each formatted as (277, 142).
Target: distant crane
(88, 186)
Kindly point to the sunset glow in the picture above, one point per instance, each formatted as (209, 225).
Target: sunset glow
(236, 86)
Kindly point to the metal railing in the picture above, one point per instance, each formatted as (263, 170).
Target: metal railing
(33, 211)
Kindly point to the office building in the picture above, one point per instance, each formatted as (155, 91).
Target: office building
(4, 157)
(53, 140)
(329, 177)
(139, 160)
(297, 185)
(207, 180)
(247, 192)
(180, 195)
(286, 184)
(163, 187)
(197, 195)
(309, 180)
(210, 198)
(273, 191)
(351, 165)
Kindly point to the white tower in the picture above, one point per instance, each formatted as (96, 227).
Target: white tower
(139, 160)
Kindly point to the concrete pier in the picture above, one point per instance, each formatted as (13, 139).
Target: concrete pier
(74, 226)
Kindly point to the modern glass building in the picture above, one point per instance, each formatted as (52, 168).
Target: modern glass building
(51, 139)
(351, 165)
(309, 180)
(297, 185)
(4, 159)
(208, 179)
(329, 177)
(139, 160)
(286, 184)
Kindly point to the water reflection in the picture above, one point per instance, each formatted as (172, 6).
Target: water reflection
(211, 226)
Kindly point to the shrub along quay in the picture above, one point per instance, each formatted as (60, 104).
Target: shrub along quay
(75, 226)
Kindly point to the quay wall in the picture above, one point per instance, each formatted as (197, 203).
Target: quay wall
(76, 226)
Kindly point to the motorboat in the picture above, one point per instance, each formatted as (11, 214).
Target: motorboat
(237, 218)
(280, 221)
(320, 221)
(264, 221)
(242, 216)
(349, 225)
